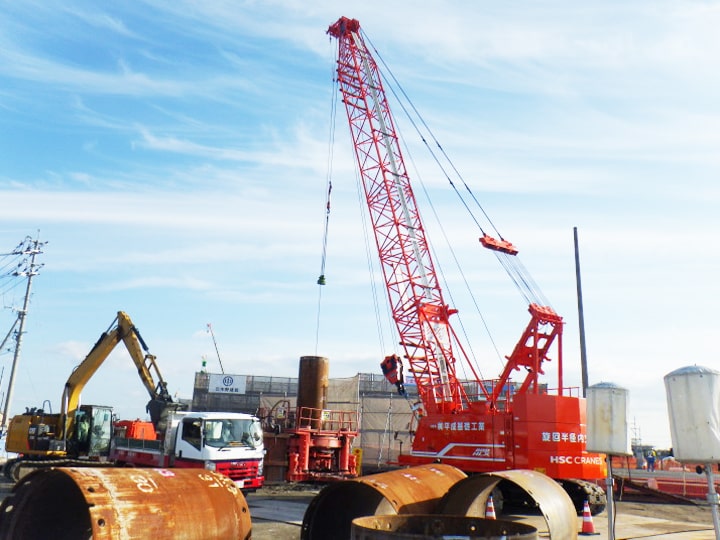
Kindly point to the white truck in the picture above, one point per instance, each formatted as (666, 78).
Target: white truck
(227, 443)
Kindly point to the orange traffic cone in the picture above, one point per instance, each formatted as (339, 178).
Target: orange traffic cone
(490, 509)
(588, 528)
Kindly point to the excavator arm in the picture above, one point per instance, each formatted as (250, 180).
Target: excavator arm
(121, 329)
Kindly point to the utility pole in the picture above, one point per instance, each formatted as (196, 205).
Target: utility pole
(581, 316)
(31, 249)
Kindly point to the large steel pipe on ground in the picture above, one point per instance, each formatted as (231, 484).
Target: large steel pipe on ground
(415, 490)
(431, 527)
(469, 496)
(83, 503)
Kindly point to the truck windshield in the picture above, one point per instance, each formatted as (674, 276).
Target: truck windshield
(233, 432)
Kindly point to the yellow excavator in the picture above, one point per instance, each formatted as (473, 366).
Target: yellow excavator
(83, 432)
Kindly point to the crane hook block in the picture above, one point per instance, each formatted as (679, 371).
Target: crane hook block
(498, 245)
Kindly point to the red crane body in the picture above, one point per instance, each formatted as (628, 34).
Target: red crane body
(478, 425)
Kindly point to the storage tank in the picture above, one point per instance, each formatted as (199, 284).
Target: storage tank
(693, 399)
(607, 423)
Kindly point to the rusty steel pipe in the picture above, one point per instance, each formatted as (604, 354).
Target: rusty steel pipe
(469, 498)
(313, 381)
(103, 503)
(429, 527)
(415, 490)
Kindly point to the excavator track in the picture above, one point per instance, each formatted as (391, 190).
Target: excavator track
(12, 468)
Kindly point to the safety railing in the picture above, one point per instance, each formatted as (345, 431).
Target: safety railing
(326, 420)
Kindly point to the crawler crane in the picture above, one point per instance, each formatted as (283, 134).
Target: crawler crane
(479, 425)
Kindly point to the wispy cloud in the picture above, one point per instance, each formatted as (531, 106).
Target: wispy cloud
(101, 21)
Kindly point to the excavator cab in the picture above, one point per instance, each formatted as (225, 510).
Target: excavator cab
(92, 430)
(39, 434)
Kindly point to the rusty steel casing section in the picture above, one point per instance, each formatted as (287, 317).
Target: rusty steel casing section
(99, 503)
(469, 496)
(428, 527)
(414, 490)
(313, 381)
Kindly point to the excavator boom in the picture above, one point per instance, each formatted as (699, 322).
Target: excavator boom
(121, 329)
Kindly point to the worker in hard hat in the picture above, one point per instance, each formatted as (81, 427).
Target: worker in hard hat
(392, 368)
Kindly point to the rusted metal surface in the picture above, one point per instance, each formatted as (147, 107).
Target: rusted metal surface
(124, 504)
(415, 490)
(469, 497)
(313, 380)
(429, 527)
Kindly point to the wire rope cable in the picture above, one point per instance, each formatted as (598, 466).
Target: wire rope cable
(473, 358)
(518, 274)
(321, 280)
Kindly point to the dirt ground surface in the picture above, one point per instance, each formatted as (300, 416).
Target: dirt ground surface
(277, 512)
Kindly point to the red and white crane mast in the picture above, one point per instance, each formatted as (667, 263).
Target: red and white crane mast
(416, 300)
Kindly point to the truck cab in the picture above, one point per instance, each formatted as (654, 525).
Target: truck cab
(227, 443)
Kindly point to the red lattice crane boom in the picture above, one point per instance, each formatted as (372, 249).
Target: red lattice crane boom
(416, 300)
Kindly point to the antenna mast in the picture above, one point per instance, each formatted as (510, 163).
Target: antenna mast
(209, 326)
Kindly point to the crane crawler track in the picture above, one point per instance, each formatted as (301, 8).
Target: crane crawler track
(581, 491)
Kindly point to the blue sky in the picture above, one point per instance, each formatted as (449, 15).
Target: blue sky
(175, 156)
